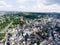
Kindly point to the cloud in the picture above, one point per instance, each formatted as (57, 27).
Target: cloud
(31, 5)
(2, 3)
(46, 2)
(31, 2)
(49, 2)
(38, 6)
(5, 6)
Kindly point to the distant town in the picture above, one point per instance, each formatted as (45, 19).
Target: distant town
(29, 28)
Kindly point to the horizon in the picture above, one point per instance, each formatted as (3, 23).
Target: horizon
(29, 12)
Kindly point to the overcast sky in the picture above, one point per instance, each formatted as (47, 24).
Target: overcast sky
(30, 5)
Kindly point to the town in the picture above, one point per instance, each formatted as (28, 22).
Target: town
(29, 29)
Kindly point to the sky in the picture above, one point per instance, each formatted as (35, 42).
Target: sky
(30, 5)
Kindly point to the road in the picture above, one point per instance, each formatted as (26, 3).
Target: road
(45, 42)
(55, 41)
(7, 39)
(5, 29)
